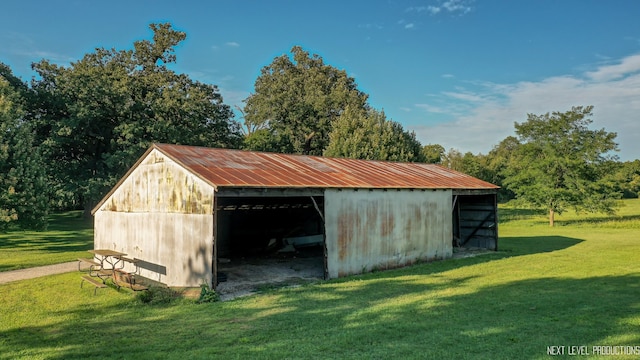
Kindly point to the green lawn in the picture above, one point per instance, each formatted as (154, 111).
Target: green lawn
(68, 237)
(577, 284)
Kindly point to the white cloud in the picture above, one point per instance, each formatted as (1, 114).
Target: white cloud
(409, 26)
(627, 66)
(465, 96)
(433, 9)
(232, 44)
(450, 6)
(456, 6)
(485, 117)
(433, 108)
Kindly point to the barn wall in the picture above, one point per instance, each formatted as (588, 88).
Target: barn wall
(378, 229)
(162, 215)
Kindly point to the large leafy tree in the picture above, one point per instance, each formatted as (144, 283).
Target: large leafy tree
(99, 114)
(433, 153)
(561, 163)
(497, 162)
(627, 175)
(23, 189)
(368, 134)
(296, 101)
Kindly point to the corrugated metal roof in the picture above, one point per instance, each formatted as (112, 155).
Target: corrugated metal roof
(237, 168)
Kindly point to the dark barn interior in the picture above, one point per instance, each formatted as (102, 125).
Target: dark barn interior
(268, 240)
(475, 221)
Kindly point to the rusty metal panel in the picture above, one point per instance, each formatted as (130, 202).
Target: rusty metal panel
(378, 229)
(159, 184)
(236, 168)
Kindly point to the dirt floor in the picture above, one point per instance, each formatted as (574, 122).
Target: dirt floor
(246, 275)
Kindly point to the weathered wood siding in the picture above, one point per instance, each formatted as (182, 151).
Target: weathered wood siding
(163, 215)
(377, 229)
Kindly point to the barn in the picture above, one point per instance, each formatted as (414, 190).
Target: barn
(186, 212)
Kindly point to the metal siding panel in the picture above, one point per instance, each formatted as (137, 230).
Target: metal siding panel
(161, 214)
(367, 230)
(177, 248)
(158, 184)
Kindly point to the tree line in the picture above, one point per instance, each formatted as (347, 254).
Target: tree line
(70, 134)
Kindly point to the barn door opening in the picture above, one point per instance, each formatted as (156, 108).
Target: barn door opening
(475, 221)
(269, 240)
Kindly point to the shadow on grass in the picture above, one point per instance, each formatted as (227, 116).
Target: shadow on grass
(394, 316)
(430, 310)
(67, 232)
(527, 245)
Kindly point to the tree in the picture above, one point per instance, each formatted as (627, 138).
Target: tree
(627, 174)
(298, 100)
(453, 159)
(468, 163)
(98, 115)
(497, 162)
(23, 189)
(433, 153)
(367, 134)
(561, 163)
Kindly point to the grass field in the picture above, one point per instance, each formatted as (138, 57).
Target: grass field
(68, 237)
(577, 284)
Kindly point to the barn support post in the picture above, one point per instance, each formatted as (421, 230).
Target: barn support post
(456, 221)
(324, 237)
(495, 209)
(214, 260)
(315, 204)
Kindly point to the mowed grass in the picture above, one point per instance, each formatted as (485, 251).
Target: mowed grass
(68, 237)
(577, 284)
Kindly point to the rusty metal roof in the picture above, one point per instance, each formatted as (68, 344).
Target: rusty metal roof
(237, 168)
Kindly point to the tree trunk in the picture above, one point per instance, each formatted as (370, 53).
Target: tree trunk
(88, 206)
(551, 215)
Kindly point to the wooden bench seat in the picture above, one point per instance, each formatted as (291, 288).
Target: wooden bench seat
(123, 278)
(90, 264)
(129, 260)
(92, 281)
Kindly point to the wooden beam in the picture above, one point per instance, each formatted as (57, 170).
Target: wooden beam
(269, 192)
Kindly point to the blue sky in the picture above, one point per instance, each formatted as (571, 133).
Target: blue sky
(457, 72)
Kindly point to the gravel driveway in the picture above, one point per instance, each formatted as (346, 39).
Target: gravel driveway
(34, 272)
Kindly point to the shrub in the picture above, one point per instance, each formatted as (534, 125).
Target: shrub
(207, 294)
(157, 295)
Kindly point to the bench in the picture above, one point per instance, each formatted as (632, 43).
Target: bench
(94, 282)
(91, 263)
(123, 278)
(126, 259)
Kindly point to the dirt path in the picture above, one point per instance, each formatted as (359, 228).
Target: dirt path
(34, 272)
